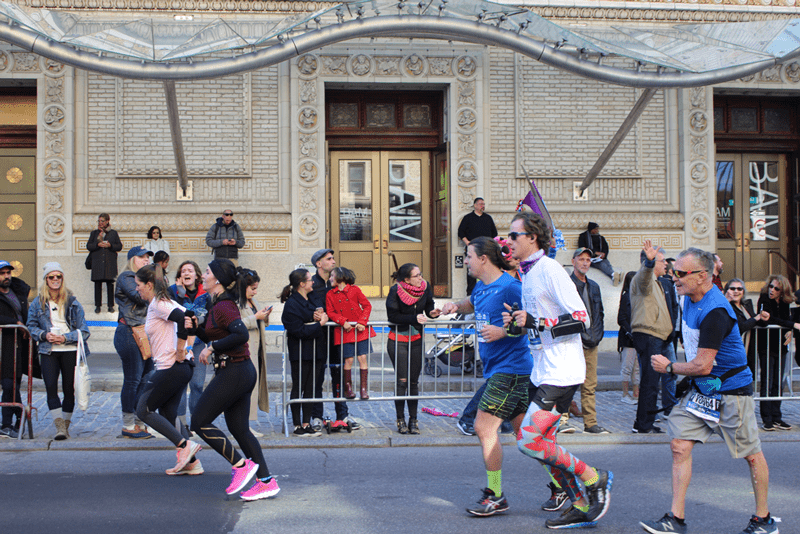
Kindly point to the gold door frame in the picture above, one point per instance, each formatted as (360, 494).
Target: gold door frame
(375, 233)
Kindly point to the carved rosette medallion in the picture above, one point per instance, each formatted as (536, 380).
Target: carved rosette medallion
(467, 120)
(14, 175)
(414, 65)
(309, 225)
(56, 175)
(698, 121)
(308, 172)
(308, 66)
(14, 222)
(698, 132)
(307, 119)
(3, 61)
(467, 173)
(360, 65)
(791, 72)
(465, 67)
(52, 68)
(54, 118)
(699, 173)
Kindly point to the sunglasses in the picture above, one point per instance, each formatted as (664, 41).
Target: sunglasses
(55, 277)
(228, 214)
(735, 289)
(514, 235)
(774, 287)
(680, 274)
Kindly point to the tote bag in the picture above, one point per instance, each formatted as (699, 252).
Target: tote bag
(83, 380)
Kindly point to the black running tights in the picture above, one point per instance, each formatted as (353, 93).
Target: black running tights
(407, 360)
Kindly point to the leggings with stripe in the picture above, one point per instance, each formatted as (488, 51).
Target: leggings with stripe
(537, 439)
(229, 393)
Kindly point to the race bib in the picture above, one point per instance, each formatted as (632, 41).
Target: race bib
(704, 406)
(481, 320)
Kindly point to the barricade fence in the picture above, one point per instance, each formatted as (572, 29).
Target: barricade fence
(444, 363)
(21, 338)
(772, 358)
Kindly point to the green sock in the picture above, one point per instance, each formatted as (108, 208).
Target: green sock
(593, 480)
(583, 509)
(495, 479)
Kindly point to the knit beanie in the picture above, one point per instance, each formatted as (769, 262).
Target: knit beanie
(224, 271)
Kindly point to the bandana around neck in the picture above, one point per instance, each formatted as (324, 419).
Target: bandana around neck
(410, 294)
(527, 265)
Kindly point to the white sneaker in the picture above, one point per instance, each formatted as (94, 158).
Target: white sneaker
(627, 399)
(256, 433)
(192, 468)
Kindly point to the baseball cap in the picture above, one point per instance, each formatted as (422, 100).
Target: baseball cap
(318, 255)
(4, 264)
(138, 251)
(581, 251)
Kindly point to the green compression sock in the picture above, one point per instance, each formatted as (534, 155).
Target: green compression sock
(593, 480)
(583, 509)
(495, 479)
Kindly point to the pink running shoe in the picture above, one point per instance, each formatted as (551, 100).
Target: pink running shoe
(185, 454)
(241, 476)
(192, 468)
(261, 490)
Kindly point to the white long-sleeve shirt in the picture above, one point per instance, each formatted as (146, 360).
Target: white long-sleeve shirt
(548, 292)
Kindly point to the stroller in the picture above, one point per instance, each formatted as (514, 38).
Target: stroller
(452, 353)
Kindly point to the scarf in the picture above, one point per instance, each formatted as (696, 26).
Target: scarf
(410, 294)
(527, 265)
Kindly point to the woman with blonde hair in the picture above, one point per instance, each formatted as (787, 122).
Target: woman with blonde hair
(55, 321)
(773, 305)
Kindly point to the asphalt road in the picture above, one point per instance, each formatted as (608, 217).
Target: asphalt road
(358, 490)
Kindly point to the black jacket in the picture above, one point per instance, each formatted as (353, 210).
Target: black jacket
(8, 316)
(585, 241)
(745, 324)
(104, 260)
(594, 335)
(305, 337)
(779, 314)
(625, 338)
(405, 315)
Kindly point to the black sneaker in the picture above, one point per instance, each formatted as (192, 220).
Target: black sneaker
(299, 431)
(489, 504)
(595, 429)
(769, 427)
(558, 498)
(570, 518)
(465, 428)
(665, 524)
(758, 525)
(780, 425)
(599, 495)
(8, 432)
(653, 430)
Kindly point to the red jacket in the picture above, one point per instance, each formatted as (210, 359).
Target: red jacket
(348, 305)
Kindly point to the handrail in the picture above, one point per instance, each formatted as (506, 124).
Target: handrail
(770, 252)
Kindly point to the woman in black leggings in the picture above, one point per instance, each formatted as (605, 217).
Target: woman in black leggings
(408, 305)
(165, 329)
(229, 390)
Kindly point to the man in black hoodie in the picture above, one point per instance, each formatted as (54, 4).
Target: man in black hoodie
(13, 310)
(225, 237)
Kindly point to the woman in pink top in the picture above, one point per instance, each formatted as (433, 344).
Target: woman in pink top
(346, 304)
(167, 333)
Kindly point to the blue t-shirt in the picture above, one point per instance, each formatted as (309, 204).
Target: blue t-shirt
(731, 352)
(509, 354)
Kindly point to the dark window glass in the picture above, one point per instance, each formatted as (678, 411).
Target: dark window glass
(719, 120)
(744, 119)
(777, 120)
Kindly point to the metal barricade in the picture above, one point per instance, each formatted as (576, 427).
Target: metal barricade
(772, 362)
(17, 331)
(459, 382)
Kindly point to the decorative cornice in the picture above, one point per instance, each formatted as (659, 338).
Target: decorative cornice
(187, 222)
(674, 15)
(167, 6)
(657, 222)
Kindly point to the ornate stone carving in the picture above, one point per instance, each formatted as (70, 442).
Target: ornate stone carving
(467, 120)
(308, 199)
(54, 172)
(771, 75)
(53, 68)
(186, 222)
(54, 118)
(55, 90)
(698, 97)
(466, 67)
(387, 66)
(343, 115)
(308, 172)
(699, 199)
(417, 116)
(53, 145)
(791, 71)
(698, 121)
(699, 173)
(307, 118)
(308, 65)
(360, 65)
(309, 225)
(381, 116)
(54, 228)
(623, 221)
(440, 66)
(414, 65)
(466, 146)
(54, 199)
(308, 92)
(466, 94)
(336, 65)
(700, 225)
(308, 145)
(698, 147)
(467, 172)
(465, 197)
(14, 222)
(3, 61)
(748, 79)
(25, 62)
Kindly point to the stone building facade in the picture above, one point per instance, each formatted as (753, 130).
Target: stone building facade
(256, 143)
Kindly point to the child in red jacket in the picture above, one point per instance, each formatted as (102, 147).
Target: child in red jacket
(346, 304)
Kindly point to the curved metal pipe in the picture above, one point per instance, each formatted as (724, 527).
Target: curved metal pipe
(425, 27)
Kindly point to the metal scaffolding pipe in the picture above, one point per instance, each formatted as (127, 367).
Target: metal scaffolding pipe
(422, 26)
(619, 137)
(175, 132)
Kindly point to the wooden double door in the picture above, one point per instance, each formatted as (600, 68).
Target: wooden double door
(380, 204)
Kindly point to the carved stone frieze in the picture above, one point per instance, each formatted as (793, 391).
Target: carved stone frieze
(466, 94)
(25, 62)
(308, 92)
(467, 120)
(54, 145)
(467, 172)
(700, 225)
(54, 199)
(698, 97)
(414, 65)
(698, 121)
(360, 65)
(792, 72)
(621, 221)
(55, 90)
(307, 118)
(3, 61)
(699, 199)
(54, 118)
(54, 172)
(52, 67)
(309, 225)
(440, 66)
(387, 65)
(698, 146)
(699, 173)
(186, 222)
(308, 199)
(335, 65)
(466, 195)
(466, 67)
(700, 210)
(308, 145)
(308, 65)
(466, 146)
(54, 227)
(308, 172)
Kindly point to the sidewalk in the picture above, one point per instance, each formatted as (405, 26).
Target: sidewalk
(99, 427)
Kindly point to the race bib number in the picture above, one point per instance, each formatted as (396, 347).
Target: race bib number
(704, 406)
(481, 320)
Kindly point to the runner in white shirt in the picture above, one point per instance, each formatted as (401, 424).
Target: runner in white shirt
(167, 334)
(558, 370)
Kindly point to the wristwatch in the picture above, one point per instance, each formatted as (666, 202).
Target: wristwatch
(669, 368)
